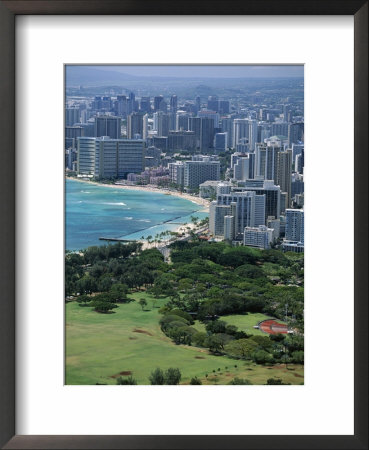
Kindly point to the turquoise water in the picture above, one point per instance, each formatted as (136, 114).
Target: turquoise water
(97, 211)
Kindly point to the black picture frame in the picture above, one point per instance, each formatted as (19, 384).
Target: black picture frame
(8, 12)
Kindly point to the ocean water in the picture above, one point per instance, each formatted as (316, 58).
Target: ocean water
(97, 211)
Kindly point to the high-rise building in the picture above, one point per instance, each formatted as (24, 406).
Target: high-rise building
(294, 225)
(213, 103)
(206, 133)
(229, 228)
(217, 213)
(173, 104)
(248, 209)
(295, 133)
(240, 130)
(161, 123)
(196, 172)
(109, 158)
(223, 106)
(108, 126)
(259, 237)
(72, 116)
(145, 105)
(226, 126)
(243, 169)
(182, 121)
(284, 174)
(134, 125)
(220, 142)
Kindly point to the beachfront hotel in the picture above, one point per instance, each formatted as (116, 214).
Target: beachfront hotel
(109, 158)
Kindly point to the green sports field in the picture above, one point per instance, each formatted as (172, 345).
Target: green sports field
(101, 347)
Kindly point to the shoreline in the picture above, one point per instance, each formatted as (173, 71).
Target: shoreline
(151, 188)
(186, 228)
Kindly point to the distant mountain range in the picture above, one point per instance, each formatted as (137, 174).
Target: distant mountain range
(84, 75)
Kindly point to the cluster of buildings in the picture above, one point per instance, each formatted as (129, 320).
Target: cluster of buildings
(247, 160)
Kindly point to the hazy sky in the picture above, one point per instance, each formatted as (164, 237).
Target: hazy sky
(210, 71)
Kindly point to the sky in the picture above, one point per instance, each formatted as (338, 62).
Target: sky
(224, 71)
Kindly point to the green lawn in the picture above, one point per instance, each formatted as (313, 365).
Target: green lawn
(246, 322)
(101, 346)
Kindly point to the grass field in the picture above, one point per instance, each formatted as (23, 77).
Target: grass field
(246, 322)
(99, 347)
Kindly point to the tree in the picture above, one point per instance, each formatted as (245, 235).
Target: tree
(156, 377)
(126, 381)
(214, 343)
(102, 307)
(143, 303)
(118, 292)
(83, 300)
(275, 381)
(172, 376)
(195, 381)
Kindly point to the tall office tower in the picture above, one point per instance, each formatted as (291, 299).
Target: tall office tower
(223, 107)
(243, 169)
(72, 116)
(96, 103)
(108, 126)
(226, 126)
(161, 123)
(157, 100)
(272, 195)
(206, 113)
(229, 228)
(163, 106)
(248, 209)
(279, 129)
(216, 218)
(266, 159)
(173, 104)
(295, 225)
(284, 173)
(206, 134)
(181, 140)
(194, 124)
(297, 184)
(259, 237)
(221, 142)
(121, 106)
(145, 105)
(131, 103)
(109, 158)
(182, 121)
(299, 163)
(106, 104)
(213, 103)
(134, 125)
(240, 130)
(196, 172)
(145, 126)
(197, 103)
(253, 134)
(296, 150)
(295, 133)
(287, 113)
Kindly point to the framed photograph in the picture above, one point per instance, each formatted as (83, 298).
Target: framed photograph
(164, 168)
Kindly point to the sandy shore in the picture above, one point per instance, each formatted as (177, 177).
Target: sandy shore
(151, 188)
